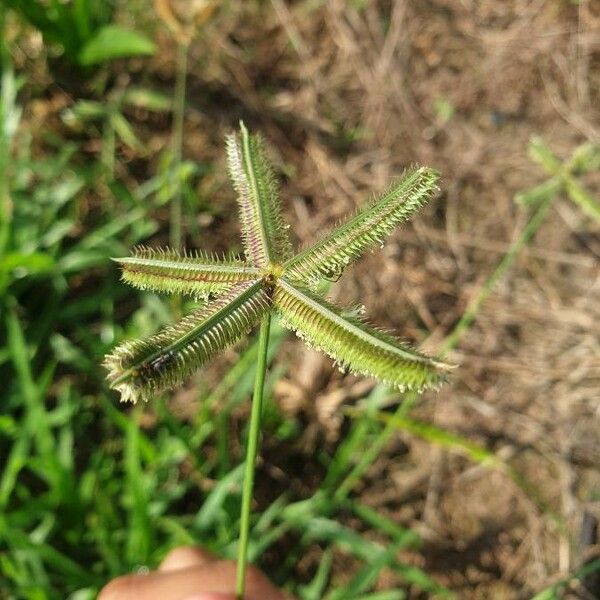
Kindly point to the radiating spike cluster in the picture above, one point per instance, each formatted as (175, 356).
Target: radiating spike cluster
(192, 273)
(352, 344)
(142, 368)
(264, 232)
(369, 227)
(269, 279)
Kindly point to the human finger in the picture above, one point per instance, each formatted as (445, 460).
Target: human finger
(184, 557)
(216, 577)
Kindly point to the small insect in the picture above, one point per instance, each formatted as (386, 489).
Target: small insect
(155, 365)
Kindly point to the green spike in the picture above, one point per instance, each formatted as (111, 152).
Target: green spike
(264, 232)
(270, 279)
(368, 227)
(352, 344)
(172, 272)
(142, 368)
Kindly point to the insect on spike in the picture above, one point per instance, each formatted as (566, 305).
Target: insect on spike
(143, 368)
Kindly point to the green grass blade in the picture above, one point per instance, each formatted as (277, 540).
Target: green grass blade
(212, 507)
(475, 304)
(385, 595)
(556, 592)
(402, 537)
(366, 577)
(370, 454)
(446, 439)
(315, 589)
(140, 536)
(542, 155)
(582, 198)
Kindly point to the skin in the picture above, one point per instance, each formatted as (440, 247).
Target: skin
(190, 573)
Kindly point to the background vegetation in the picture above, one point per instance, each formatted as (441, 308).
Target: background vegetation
(112, 118)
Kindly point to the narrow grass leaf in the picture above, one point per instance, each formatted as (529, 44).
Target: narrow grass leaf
(557, 591)
(446, 439)
(212, 506)
(112, 42)
(385, 595)
(582, 198)
(316, 588)
(402, 537)
(139, 538)
(366, 576)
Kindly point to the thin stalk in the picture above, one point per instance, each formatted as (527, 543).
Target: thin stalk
(372, 452)
(175, 235)
(253, 436)
(473, 308)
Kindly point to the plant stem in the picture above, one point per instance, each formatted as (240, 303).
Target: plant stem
(178, 114)
(372, 452)
(469, 315)
(251, 451)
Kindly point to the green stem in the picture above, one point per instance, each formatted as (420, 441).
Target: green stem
(372, 452)
(253, 435)
(178, 114)
(469, 315)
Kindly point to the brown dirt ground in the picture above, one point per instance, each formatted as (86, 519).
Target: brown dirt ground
(346, 94)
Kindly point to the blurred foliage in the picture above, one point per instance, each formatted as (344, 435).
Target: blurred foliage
(83, 29)
(87, 491)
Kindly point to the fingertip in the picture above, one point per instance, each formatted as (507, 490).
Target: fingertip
(185, 557)
(211, 596)
(118, 589)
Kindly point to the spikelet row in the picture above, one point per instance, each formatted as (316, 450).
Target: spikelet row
(353, 345)
(140, 369)
(172, 272)
(186, 255)
(269, 197)
(264, 232)
(367, 228)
